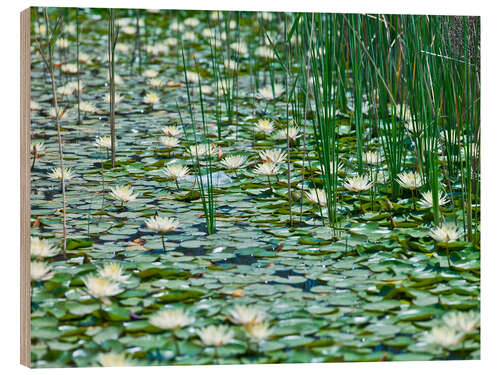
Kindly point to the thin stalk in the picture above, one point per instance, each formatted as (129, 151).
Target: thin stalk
(47, 58)
(78, 63)
(112, 39)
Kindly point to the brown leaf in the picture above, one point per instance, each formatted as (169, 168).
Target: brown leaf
(393, 223)
(137, 244)
(279, 247)
(36, 223)
(173, 84)
(238, 293)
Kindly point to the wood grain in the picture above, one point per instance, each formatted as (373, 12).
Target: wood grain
(25, 188)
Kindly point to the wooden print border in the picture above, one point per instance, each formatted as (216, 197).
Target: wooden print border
(25, 187)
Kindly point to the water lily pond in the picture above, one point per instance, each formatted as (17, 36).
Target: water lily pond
(249, 209)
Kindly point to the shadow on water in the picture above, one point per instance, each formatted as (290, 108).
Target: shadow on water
(306, 286)
(237, 260)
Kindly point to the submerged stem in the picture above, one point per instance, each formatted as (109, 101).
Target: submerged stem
(34, 158)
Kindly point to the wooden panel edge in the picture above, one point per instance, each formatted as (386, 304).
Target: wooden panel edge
(25, 350)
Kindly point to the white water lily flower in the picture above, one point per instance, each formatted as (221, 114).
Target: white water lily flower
(171, 319)
(233, 162)
(409, 180)
(171, 131)
(118, 98)
(358, 183)
(84, 58)
(34, 106)
(103, 142)
(169, 142)
(246, 315)
(317, 196)
(264, 52)
(267, 169)
(191, 22)
(70, 28)
(155, 82)
(122, 22)
(150, 73)
(340, 166)
(403, 111)
(426, 201)
(74, 85)
(102, 288)
(40, 271)
(223, 87)
(175, 171)
(272, 156)
(267, 16)
(446, 233)
(192, 77)
(123, 193)
(207, 90)
(208, 34)
(259, 332)
(62, 115)
(37, 148)
(189, 36)
(202, 150)
(128, 30)
(216, 15)
(62, 43)
(372, 158)
(122, 47)
(40, 29)
(57, 174)
(65, 90)
(114, 360)
(118, 79)
(151, 98)
(113, 272)
(216, 335)
(292, 133)
(87, 107)
(42, 248)
(265, 126)
(464, 322)
(161, 48)
(175, 26)
(443, 336)
(171, 42)
(231, 65)
(267, 92)
(239, 47)
(162, 224)
(156, 49)
(69, 68)
(381, 178)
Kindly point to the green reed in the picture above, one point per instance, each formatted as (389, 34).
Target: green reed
(112, 39)
(319, 56)
(207, 197)
(46, 50)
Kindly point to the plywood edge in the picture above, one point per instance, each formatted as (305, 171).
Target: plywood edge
(25, 91)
